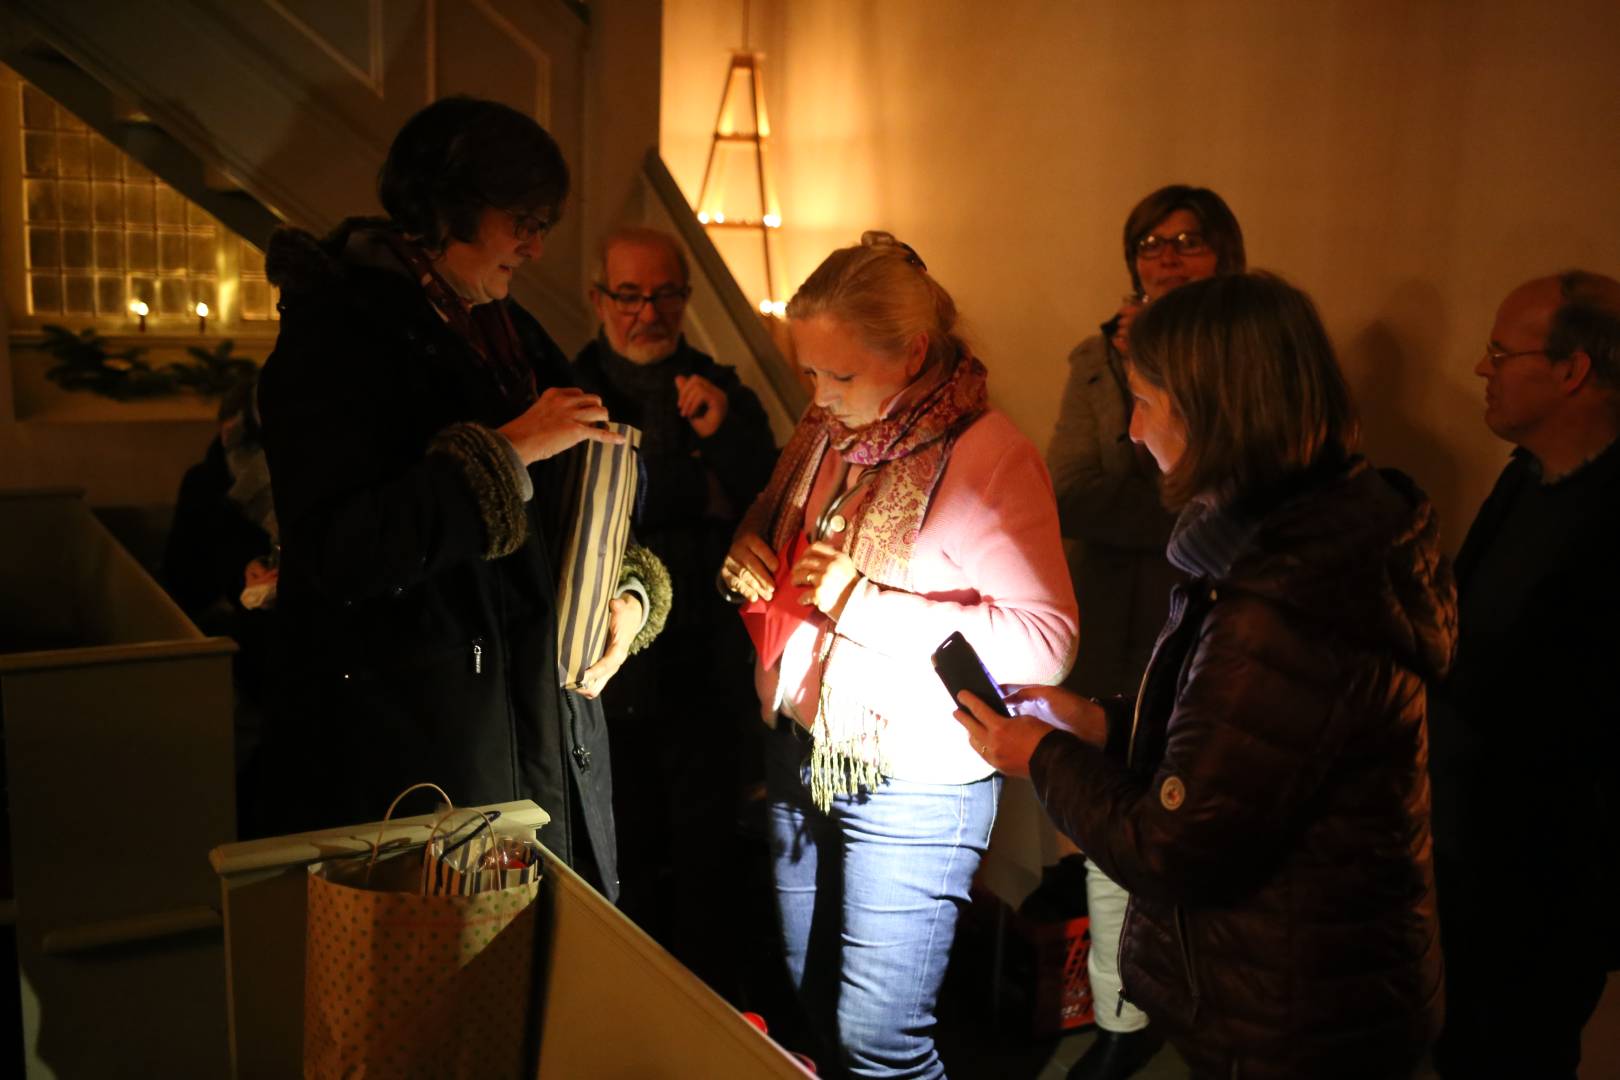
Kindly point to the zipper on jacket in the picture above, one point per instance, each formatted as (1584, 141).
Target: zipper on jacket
(478, 655)
(1188, 966)
(1136, 711)
(1119, 954)
(1141, 688)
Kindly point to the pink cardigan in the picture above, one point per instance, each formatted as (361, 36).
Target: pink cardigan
(989, 562)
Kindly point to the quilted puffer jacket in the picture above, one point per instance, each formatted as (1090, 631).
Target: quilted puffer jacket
(1266, 801)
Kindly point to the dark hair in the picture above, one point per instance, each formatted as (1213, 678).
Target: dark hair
(883, 291)
(1251, 375)
(461, 154)
(1588, 320)
(1214, 217)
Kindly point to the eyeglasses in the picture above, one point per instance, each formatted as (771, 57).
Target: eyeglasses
(664, 301)
(1497, 356)
(1186, 243)
(528, 226)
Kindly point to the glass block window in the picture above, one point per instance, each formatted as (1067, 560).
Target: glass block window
(102, 231)
(256, 297)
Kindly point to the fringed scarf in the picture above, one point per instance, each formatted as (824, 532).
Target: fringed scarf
(907, 453)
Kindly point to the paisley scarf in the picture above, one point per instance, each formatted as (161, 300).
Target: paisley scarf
(907, 452)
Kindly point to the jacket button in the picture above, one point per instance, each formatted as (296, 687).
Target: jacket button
(431, 350)
(1212, 595)
(399, 590)
(345, 676)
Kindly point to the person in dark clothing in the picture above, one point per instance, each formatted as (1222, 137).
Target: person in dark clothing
(219, 565)
(413, 417)
(1526, 728)
(1265, 797)
(681, 714)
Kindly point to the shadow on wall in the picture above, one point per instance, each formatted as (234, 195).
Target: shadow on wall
(1403, 402)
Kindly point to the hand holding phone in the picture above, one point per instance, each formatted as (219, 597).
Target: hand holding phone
(959, 668)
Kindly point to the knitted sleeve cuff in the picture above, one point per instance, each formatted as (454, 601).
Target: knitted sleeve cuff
(499, 482)
(643, 566)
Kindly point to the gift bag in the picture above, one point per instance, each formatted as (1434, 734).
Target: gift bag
(599, 493)
(403, 982)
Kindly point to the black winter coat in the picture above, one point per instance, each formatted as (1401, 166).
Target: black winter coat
(413, 656)
(1272, 819)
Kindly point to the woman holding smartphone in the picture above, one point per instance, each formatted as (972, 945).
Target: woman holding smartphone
(1265, 797)
(1116, 527)
(903, 508)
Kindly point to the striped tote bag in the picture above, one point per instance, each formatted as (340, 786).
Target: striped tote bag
(599, 493)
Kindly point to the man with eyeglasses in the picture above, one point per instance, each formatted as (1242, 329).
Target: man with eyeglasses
(682, 712)
(1525, 730)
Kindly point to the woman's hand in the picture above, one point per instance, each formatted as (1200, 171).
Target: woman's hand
(1008, 743)
(258, 573)
(750, 568)
(1053, 705)
(624, 621)
(562, 417)
(829, 575)
(1128, 311)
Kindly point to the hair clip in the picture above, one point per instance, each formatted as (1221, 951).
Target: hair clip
(879, 238)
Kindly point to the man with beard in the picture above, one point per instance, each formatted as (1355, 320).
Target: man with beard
(682, 715)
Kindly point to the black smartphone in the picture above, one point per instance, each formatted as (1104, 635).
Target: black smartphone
(959, 668)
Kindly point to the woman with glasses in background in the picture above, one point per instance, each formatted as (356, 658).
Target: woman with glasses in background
(1116, 528)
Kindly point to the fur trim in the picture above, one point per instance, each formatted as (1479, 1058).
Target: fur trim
(642, 564)
(496, 483)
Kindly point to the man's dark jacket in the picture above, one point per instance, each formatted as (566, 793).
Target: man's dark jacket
(1272, 819)
(418, 651)
(1527, 725)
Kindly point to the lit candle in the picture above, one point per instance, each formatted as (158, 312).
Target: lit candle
(140, 309)
(202, 317)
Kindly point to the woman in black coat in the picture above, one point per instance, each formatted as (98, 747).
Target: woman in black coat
(1264, 798)
(410, 412)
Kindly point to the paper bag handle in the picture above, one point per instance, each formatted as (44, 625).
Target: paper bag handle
(376, 845)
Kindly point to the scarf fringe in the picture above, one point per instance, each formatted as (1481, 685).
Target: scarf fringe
(850, 762)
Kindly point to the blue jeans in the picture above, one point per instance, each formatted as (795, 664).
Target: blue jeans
(868, 896)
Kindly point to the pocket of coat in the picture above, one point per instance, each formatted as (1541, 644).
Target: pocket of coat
(471, 657)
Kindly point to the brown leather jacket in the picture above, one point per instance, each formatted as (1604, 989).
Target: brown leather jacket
(1269, 809)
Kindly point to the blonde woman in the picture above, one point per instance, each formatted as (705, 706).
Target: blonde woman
(903, 508)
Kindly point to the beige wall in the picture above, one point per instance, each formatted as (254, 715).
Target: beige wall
(1407, 163)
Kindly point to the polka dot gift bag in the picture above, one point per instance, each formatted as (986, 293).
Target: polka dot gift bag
(420, 962)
